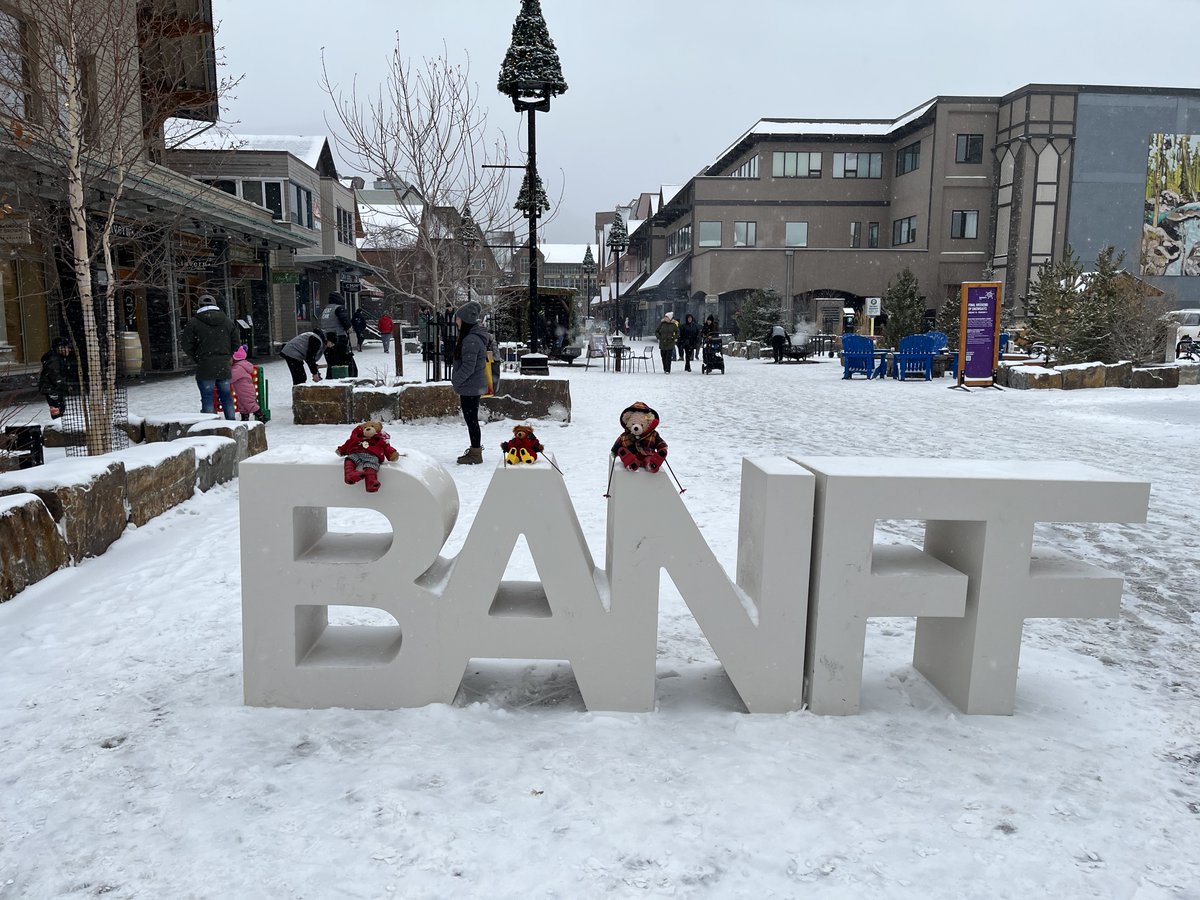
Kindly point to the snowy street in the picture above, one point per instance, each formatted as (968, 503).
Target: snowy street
(132, 769)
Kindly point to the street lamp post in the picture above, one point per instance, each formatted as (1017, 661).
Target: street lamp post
(618, 240)
(530, 75)
(588, 268)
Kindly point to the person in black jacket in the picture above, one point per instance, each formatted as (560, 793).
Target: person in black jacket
(209, 338)
(336, 325)
(59, 375)
(689, 340)
(358, 322)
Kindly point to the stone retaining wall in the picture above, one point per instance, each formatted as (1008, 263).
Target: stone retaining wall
(71, 509)
(1024, 376)
(342, 402)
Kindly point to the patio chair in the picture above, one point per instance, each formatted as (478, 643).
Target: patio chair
(858, 356)
(915, 357)
(645, 360)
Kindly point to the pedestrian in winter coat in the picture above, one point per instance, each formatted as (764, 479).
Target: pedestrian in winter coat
(468, 377)
(209, 338)
(710, 329)
(778, 340)
(358, 322)
(385, 326)
(59, 375)
(241, 379)
(667, 333)
(336, 324)
(689, 340)
(305, 349)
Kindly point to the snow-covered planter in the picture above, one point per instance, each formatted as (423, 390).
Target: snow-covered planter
(343, 403)
(1156, 377)
(157, 477)
(30, 546)
(85, 497)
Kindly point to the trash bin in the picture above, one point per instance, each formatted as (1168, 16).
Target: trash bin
(26, 442)
(339, 371)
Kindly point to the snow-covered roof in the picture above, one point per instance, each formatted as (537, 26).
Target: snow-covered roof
(388, 226)
(830, 127)
(669, 191)
(660, 274)
(566, 254)
(305, 148)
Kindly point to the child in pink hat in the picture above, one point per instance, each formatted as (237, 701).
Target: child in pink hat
(241, 381)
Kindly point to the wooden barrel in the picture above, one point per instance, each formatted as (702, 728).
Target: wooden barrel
(130, 351)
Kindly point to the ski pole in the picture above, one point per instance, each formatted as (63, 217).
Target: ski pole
(682, 489)
(553, 463)
(611, 466)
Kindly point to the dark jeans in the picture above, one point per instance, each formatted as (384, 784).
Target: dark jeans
(667, 354)
(777, 345)
(296, 367)
(689, 353)
(221, 386)
(470, 409)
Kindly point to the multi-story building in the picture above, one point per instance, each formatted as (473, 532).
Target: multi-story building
(294, 177)
(173, 239)
(828, 213)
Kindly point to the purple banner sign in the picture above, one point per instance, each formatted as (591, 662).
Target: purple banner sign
(980, 331)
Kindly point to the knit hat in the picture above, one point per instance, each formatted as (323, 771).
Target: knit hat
(470, 312)
(240, 352)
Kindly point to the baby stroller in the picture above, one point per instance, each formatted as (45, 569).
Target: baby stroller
(713, 357)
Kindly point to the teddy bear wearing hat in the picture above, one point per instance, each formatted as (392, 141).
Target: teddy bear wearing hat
(365, 452)
(640, 446)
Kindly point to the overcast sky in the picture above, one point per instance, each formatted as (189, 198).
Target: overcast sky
(658, 89)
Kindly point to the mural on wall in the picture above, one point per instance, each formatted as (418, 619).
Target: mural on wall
(1171, 233)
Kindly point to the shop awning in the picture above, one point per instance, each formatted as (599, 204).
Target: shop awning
(662, 272)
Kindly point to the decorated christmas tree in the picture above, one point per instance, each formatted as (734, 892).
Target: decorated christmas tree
(531, 68)
(524, 201)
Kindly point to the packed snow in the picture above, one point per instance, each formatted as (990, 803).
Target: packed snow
(131, 768)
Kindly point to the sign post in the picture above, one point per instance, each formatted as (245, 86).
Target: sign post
(874, 309)
(978, 333)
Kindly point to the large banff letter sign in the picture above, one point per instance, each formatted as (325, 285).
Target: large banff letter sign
(789, 630)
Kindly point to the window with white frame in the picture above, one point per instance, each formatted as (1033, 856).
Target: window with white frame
(904, 231)
(744, 234)
(795, 164)
(710, 234)
(795, 234)
(858, 165)
(964, 223)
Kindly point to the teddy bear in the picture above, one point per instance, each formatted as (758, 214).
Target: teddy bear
(640, 446)
(524, 446)
(365, 451)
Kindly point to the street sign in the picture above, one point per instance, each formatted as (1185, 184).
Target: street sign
(874, 306)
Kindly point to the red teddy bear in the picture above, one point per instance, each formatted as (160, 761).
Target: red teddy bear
(524, 446)
(365, 452)
(639, 446)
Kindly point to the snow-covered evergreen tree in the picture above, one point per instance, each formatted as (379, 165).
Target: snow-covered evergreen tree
(904, 307)
(531, 58)
(525, 201)
(1050, 305)
(759, 312)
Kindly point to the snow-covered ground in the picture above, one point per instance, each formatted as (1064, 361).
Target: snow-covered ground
(130, 768)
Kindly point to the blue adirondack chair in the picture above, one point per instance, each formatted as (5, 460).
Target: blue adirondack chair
(938, 340)
(858, 356)
(915, 357)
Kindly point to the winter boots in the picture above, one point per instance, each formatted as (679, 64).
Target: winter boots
(473, 456)
(371, 477)
(353, 476)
